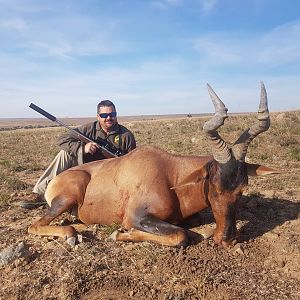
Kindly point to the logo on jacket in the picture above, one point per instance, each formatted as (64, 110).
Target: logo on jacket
(116, 140)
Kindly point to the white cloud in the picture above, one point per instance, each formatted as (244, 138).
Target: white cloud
(64, 58)
(281, 45)
(153, 87)
(175, 2)
(276, 47)
(23, 6)
(165, 4)
(217, 50)
(13, 24)
(208, 5)
(59, 49)
(57, 30)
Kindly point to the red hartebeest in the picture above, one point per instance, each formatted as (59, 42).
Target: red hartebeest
(149, 191)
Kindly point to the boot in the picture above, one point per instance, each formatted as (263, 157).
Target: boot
(34, 201)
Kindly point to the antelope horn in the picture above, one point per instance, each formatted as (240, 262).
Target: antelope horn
(262, 124)
(220, 149)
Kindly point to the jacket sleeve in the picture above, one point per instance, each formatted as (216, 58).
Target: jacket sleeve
(129, 142)
(71, 144)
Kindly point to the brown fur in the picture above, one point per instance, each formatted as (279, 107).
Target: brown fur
(148, 190)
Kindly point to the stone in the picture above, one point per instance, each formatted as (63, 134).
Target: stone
(11, 253)
(237, 249)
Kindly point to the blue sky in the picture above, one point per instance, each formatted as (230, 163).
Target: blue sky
(148, 56)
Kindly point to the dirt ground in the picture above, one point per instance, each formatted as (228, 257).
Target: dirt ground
(265, 264)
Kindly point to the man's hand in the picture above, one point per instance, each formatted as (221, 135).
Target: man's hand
(91, 148)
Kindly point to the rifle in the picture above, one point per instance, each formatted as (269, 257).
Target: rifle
(107, 150)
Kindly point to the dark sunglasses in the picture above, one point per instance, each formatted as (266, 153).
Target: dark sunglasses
(113, 114)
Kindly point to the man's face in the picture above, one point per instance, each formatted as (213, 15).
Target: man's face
(106, 117)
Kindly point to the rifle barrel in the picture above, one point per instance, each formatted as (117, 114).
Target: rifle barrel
(78, 134)
(42, 112)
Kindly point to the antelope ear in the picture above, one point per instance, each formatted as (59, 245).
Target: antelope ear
(193, 178)
(260, 170)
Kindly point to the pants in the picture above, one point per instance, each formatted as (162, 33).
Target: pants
(62, 161)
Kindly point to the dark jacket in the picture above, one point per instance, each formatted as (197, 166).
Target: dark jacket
(120, 137)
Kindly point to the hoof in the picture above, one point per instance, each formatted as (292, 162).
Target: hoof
(113, 236)
(71, 241)
(228, 244)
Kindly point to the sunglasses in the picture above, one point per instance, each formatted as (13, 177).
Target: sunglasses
(113, 114)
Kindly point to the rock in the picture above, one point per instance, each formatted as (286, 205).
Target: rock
(79, 238)
(270, 235)
(113, 236)
(206, 232)
(14, 252)
(237, 249)
(129, 247)
(71, 241)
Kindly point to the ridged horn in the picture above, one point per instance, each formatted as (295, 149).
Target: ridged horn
(262, 124)
(220, 149)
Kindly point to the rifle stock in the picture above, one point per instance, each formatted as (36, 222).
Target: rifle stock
(104, 147)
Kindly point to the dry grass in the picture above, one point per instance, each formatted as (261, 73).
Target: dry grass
(266, 266)
(25, 153)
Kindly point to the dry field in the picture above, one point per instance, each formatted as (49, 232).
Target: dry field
(264, 265)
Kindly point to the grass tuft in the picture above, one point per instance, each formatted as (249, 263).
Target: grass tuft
(295, 154)
(4, 198)
(109, 229)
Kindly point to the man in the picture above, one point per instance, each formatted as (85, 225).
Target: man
(74, 152)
